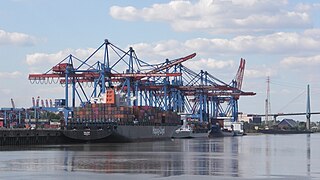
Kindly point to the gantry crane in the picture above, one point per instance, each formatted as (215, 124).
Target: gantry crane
(168, 85)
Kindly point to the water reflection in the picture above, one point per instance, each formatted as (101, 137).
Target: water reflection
(245, 157)
(268, 155)
(165, 158)
(274, 155)
(308, 155)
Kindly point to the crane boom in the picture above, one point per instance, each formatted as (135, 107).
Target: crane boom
(12, 103)
(240, 73)
(172, 63)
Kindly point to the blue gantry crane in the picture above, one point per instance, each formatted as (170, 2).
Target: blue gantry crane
(168, 85)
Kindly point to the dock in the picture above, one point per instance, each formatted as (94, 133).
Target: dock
(14, 137)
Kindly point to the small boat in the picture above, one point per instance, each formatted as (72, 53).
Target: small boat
(191, 130)
(229, 129)
(183, 132)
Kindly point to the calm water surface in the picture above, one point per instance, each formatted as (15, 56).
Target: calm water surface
(248, 157)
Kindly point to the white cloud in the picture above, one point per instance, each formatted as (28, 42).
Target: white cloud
(14, 74)
(259, 73)
(277, 43)
(41, 62)
(37, 60)
(312, 33)
(159, 51)
(277, 21)
(284, 43)
(129, 15)
(5, 91)
(15, 38)
(209, 64)
(220, 16)
(292, 61)
(281, 43)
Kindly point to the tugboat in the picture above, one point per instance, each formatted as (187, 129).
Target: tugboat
(228, 129)
(192, 130)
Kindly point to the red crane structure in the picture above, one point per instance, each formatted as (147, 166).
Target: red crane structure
(168, 85)
(240, 73)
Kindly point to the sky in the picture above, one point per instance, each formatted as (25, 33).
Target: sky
(278, 38)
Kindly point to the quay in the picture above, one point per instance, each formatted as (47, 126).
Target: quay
(14, 137)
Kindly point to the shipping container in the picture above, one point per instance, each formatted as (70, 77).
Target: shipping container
(147, 115)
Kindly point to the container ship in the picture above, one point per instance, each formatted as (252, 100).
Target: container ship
(107, 120)
(112, 121)
(108, 123)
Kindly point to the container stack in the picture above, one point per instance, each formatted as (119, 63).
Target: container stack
(110, 97)
(123, 115)
(101, 113)
(154, 115)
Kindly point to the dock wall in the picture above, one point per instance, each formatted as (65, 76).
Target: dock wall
(14, 137)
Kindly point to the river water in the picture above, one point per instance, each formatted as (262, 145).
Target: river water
(248, 157)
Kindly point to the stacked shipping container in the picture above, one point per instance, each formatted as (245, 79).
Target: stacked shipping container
(123, 115)
(110, 96)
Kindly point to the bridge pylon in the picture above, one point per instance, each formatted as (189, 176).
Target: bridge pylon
(308, 110)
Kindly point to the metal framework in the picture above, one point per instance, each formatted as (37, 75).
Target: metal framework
(168, 85)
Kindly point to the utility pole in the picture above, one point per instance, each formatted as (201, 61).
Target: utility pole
(266, 111)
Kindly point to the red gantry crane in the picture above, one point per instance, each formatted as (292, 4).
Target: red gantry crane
(168, 85)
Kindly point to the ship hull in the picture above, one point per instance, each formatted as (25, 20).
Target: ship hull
(141, 133)
(189, 134)
(86, 135)
(216, 131)
(121, 133)
(112, 123)
(220, 133)
(182, 134)
(223, 133)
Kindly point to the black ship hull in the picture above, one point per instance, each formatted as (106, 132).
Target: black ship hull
(121, 133)
(99, 123)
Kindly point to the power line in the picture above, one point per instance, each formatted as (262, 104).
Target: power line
(294, 99)
(315, 85)
(291, 85)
